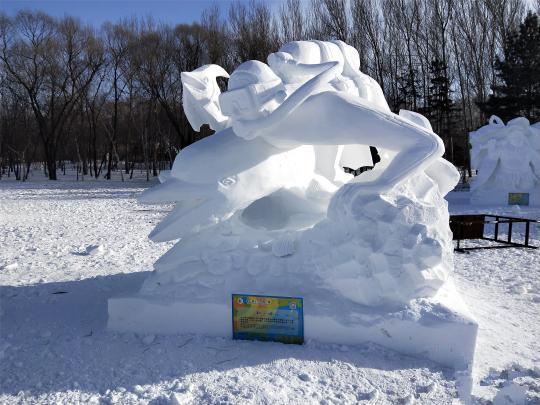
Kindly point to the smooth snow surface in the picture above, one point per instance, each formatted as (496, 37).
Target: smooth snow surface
(53, 310)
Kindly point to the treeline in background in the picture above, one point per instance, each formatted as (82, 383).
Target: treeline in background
(109, 99)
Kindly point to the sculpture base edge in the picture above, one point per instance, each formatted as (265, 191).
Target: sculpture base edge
(441, 329)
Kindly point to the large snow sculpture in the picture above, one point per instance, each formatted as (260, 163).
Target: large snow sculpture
(507, 158)
(264, 206)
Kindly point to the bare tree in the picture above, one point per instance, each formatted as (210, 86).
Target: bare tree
(54, 61)
(117, 39)
(216, 38)
(253, 29)
(331, 19)
(293, 21)
(154, 64)
(368, 26)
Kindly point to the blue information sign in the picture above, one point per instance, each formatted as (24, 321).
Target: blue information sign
(518, 199)
(261, 317)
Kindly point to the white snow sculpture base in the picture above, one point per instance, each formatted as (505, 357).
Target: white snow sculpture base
(377, 269)
(439, 328)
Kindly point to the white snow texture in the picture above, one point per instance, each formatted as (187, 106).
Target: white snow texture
(54, 346)
(264, 204)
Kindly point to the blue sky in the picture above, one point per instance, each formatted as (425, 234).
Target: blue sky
(96, 12)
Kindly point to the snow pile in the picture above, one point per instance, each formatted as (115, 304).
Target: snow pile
(507, 158)
(396, 246)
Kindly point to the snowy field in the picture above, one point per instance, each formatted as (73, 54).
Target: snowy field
(66, 247)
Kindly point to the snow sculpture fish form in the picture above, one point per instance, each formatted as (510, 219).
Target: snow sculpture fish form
(288, 125)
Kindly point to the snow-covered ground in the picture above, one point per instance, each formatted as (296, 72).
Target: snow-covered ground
(502, 289)
(66, 247)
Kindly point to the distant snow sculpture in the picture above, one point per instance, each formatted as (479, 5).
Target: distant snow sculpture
(507, 158)
(265, 205)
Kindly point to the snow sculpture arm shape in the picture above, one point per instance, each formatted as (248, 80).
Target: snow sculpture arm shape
(495, 120)
(201, 97)
(350, 120)
(443, 172)
(416, 118)
(485, 170)
(251, 128)
(478, 139)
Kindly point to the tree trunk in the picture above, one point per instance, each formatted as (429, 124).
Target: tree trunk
(109, 162)
(50, 159)
(51, 168)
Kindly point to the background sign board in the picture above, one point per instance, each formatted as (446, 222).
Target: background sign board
(518, 199)
(261, 317)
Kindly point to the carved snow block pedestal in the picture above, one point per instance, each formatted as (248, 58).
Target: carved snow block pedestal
(440, 328)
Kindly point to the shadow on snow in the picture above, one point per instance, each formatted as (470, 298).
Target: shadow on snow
(54, 338)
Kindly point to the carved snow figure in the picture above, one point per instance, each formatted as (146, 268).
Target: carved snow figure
(507, 158)
(201, 93)
(264, 206)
